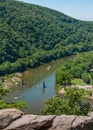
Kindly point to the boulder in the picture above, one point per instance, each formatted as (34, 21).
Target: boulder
(63, 122)
(71, 122)
(83, 123)
(9, 115)
(31, 122)
(13, 119)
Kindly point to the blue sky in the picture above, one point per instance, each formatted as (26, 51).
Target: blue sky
(80, 9)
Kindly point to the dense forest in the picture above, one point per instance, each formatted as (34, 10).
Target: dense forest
(31, 35)
(78, 67)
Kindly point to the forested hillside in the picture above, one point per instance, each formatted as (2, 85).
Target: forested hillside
(31, 35)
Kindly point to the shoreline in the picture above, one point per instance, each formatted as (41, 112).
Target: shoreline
(8, 82)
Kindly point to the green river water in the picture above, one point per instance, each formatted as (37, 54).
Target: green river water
(33, 92)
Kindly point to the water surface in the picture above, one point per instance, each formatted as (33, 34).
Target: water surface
(33, 92)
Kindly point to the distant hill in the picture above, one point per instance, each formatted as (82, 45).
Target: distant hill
(31, 35)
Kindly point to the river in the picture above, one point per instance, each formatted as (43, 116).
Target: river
(33, 92)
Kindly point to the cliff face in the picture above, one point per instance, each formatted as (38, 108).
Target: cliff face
(13, 119)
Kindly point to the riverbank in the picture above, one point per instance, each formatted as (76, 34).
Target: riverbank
(33, 92)
(10, 81)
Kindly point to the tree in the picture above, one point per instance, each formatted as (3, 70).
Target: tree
(72, 104)
(28, 29)
(63, 78)
(86, 77)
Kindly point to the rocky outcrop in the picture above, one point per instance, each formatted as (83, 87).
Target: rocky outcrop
(13, 119)
(9, 115)
(12, 81)
(72, 122)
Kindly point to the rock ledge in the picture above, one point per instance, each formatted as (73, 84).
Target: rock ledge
(13, 119)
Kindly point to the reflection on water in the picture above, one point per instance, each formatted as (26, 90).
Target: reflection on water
(43, 89)
(39, 84)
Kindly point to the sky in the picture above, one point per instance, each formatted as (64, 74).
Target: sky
(80, 9)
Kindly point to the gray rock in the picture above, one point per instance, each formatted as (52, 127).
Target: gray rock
(83, 123)
(13, 119)
(32, 122)
(9, 115)
(63, 122)
(71, 122)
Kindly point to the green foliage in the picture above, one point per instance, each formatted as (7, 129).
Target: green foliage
(53, 106)
(31, 35)
(86, 77)
(3, 104)
(79, 67)
(92, 81)
(64, 78)
(77, 81)
(70, 104)
(3, 91)
(19, 105)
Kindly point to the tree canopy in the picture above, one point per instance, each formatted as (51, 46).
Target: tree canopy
(31, 35)
(79, 66)
(72, 104)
